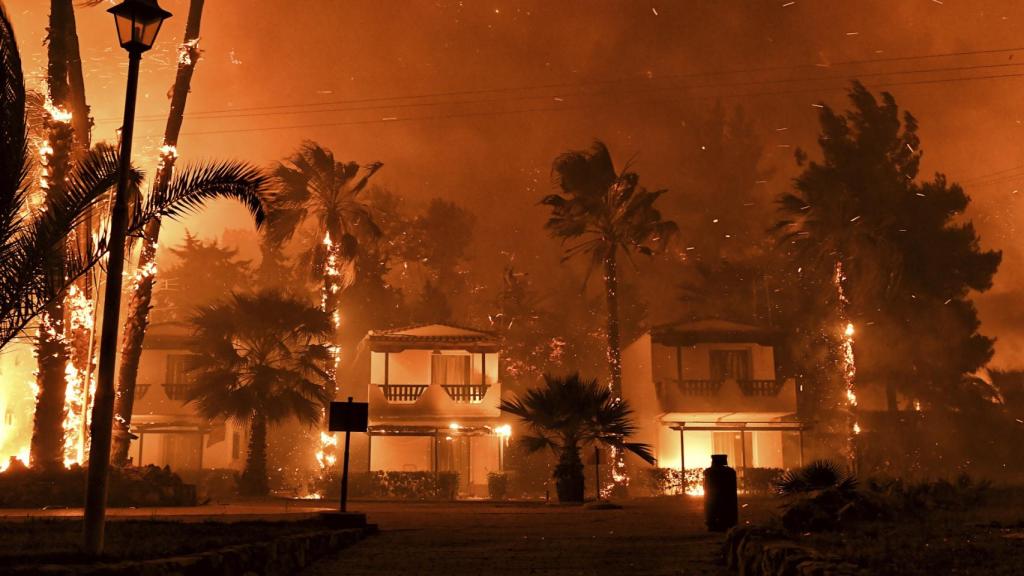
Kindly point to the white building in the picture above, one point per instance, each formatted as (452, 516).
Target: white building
(433, 394)
(710, 387)
(167, 431)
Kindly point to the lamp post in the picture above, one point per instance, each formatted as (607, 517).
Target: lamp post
(138, 23)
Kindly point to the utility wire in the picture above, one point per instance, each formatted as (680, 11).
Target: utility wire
(591, 105)
(609, 81)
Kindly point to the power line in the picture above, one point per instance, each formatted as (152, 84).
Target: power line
(584, 106)
(750, 83)
(578, 84)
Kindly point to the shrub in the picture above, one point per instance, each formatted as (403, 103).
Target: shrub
(818, 475)
(669, 481)
(761, 480)
(497, 485)
(387, 485)
(22, 487)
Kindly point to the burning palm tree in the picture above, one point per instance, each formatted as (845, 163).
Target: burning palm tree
(316, 191)
(137, 318)
(609, 213)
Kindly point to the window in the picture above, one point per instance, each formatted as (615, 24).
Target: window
(9, 418)
(236, 448)
(177, 379)
(450, 369)
(731, 365)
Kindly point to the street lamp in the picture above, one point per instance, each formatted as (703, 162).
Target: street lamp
(138, 22)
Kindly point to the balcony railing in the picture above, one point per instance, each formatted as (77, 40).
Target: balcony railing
(177, 391)
(469, 393)
(700, 387)
(760, 387)
(403, 393)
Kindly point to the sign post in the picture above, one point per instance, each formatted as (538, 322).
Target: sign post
(347, 417)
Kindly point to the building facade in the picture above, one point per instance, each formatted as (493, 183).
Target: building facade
(166, 431)
(433, 394)
(710, 387)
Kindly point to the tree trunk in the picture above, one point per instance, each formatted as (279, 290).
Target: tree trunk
(142, 295)
(80, 303)
(47, 447)
(331, 296)
(614, 353)
(569, 479)
(254, 477)
(617, 459)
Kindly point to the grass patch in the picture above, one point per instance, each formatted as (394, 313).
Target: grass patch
(56, 541)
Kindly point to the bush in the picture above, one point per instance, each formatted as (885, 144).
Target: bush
(497, 485)
(669, 481)
(22, 487)
(384, 485)
(761, 480)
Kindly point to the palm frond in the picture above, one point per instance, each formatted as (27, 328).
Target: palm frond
(191, 188)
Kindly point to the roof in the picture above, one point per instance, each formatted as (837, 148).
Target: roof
(712, 331)
(433, 336)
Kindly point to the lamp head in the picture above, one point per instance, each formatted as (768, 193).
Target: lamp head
(138, 23)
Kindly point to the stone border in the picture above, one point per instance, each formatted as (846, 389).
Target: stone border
(283, 556)
(757, 551)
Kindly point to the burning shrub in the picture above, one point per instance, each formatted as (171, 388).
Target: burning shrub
(22, 487)
(669, 481)
(380, 484)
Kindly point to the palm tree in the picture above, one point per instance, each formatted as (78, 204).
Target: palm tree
(568, 414)
(259, 361)
(324, 195)
(139, 303)
(608, 212)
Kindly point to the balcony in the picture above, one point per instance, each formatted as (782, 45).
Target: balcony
(402, 393)
(466, 393)
(699, 387)
(728, 395)
(760, 387)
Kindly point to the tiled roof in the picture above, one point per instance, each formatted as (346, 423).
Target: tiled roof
(712, 330)
(433, 333)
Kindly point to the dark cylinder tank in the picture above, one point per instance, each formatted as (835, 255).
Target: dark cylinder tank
(721, 503)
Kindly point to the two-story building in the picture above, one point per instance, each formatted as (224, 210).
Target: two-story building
(166, 431)
(433, 394)
(710, 387)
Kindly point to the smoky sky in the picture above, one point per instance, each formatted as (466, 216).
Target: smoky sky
(470, 101)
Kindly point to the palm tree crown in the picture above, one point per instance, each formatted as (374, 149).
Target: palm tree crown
(260, 356)
(315, 189)
(567, 414)
(572, 412)
(609, 209)
(260, 360)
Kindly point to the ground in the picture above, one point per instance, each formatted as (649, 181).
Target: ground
(655, 536)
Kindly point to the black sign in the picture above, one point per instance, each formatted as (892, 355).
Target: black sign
(348, 416)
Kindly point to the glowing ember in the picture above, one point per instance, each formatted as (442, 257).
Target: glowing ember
(695, 490)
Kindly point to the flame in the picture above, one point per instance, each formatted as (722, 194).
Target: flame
(325, 456)
(695, 490)
(847, 361)
(57, 114)
(80, 388)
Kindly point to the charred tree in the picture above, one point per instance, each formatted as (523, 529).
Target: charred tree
(139, 305)
(47, 445)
